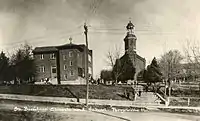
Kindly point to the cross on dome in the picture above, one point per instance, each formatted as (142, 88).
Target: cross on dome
(130, 26)
(70, 39)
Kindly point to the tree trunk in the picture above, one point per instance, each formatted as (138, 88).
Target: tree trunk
(115, 81)
(165, 87)
(15, 80)
(169, 87)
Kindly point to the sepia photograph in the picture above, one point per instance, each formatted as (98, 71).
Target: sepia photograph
(99, 60)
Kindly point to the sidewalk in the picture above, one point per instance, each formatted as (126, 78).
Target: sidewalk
(63, 100)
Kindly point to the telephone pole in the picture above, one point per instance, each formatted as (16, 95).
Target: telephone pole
(86, 63)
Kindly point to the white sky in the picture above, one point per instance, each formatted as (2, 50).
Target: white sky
(161, 25)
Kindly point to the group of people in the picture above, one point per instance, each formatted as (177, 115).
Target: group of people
(138, 93)
(46, 81)
(133, 94)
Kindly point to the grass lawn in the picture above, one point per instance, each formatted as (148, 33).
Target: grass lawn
(70, 91)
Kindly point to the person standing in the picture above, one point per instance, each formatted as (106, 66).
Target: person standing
(133, 94)
(140, 92)
(146, 88)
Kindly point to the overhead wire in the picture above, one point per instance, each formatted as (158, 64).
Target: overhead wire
(71, 34)
(39, 41)
(111, 30)
(41, 38)
(93, 10)
(94, 6)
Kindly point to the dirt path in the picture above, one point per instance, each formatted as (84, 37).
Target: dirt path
(14, 111)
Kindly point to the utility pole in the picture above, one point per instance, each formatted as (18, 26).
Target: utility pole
(86, 63)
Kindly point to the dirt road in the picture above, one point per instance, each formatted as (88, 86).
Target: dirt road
(10, 111)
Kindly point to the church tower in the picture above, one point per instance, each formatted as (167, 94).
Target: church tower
(130, 43)
(130, 39)
(135, 63)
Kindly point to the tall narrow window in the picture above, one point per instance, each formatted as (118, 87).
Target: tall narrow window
(52, 56)
(80, 72)
(71, 73)
(70, 63)
(89, 58)
(53, 69)
(65, 77)
(70, 54)
(65, 67)
(41, 56)
(89, 70)
(41, 69)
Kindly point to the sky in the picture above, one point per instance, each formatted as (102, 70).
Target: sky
(160, 25)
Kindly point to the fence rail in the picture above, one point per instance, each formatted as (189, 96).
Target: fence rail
(184, 101)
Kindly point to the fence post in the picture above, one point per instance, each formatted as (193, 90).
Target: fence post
(188, 101)
(167, 101)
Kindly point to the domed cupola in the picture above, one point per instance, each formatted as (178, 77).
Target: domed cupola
(130, 39)
(130, 26)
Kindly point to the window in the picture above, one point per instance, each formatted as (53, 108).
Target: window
(65, 77)
(83, 72)
(65, 67)
(41, 69)
(41, 56)
(89, 70)
(126, 45)
(89, 58)
(52, 56)
(70, 54)
(71, 73)
(80, 72)
(64, 57)
(70, 63)
(53, 69)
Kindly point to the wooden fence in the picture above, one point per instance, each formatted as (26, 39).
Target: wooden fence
(184, 101)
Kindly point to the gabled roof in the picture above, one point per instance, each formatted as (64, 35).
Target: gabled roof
(137, 56)
(141, 58)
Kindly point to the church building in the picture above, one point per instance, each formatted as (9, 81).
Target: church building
(136, 60)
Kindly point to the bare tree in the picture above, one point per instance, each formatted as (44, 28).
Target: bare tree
(170, 64)
(112, 58)
(192, 57)
(113, 55)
